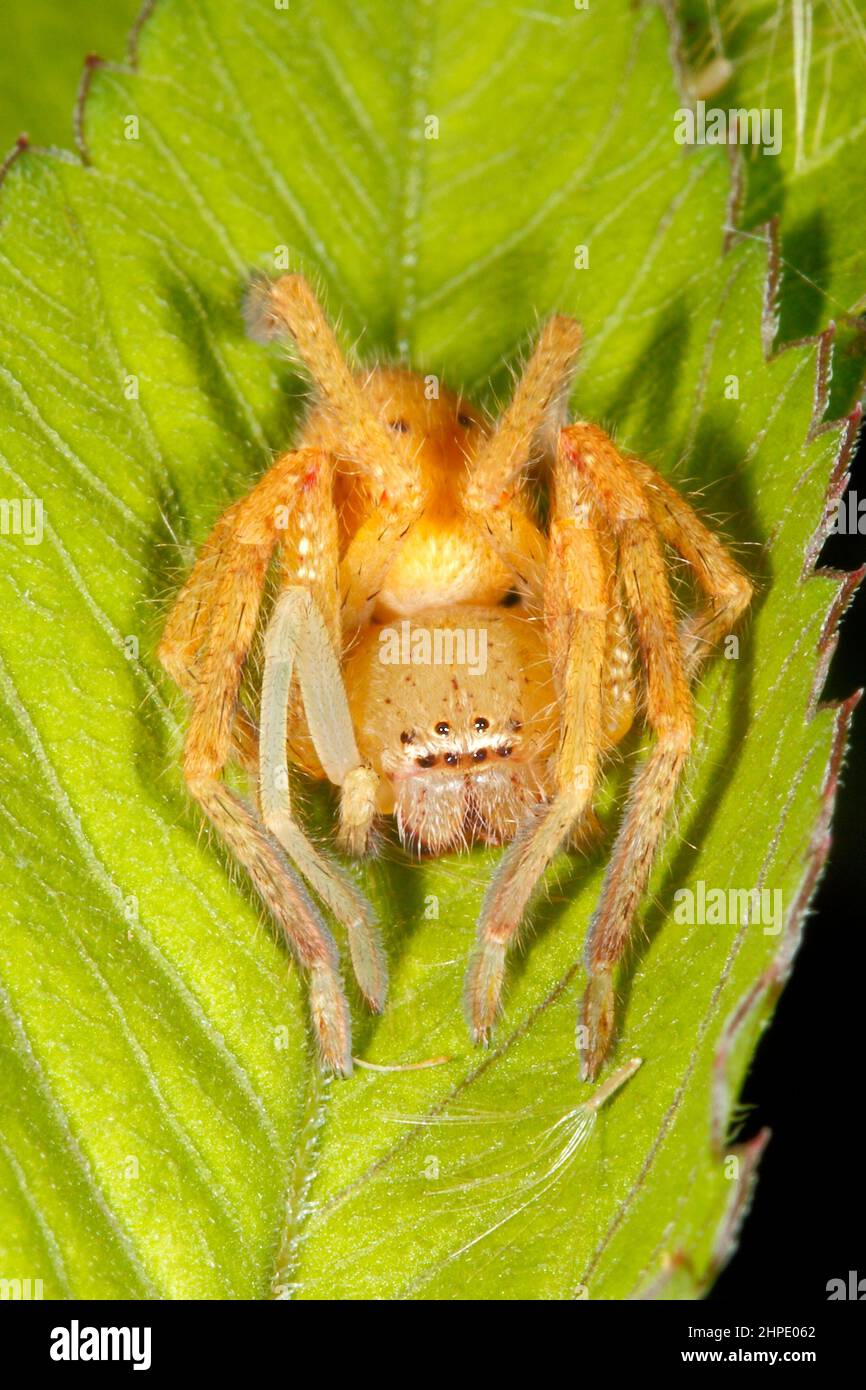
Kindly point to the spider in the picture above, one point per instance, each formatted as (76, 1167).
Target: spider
(402, 507)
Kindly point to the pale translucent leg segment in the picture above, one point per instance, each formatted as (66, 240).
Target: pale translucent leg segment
(297, 642)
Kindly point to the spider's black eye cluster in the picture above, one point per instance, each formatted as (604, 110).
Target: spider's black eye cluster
(451, 757)
(465, 421)
(400, 426)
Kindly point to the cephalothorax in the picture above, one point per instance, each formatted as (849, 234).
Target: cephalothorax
(440, 656)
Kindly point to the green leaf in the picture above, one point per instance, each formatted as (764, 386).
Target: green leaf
(807, 60)
(165, 1129)
(40, 61)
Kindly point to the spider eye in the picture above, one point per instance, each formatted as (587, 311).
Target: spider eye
(481, 724)
(465, 421)
(427, 761)
(400, 426)
(442, 728)
(406, 737)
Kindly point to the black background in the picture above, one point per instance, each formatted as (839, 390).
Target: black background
(806, 1222)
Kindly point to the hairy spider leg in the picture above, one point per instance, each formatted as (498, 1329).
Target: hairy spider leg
(577, 604)
(525, 431)
(235, 566)
(623, 502)
(727, 588)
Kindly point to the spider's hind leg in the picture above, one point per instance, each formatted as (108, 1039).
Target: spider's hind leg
(207, 641)
(642, 511)
(644, 578)
(727, 589)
